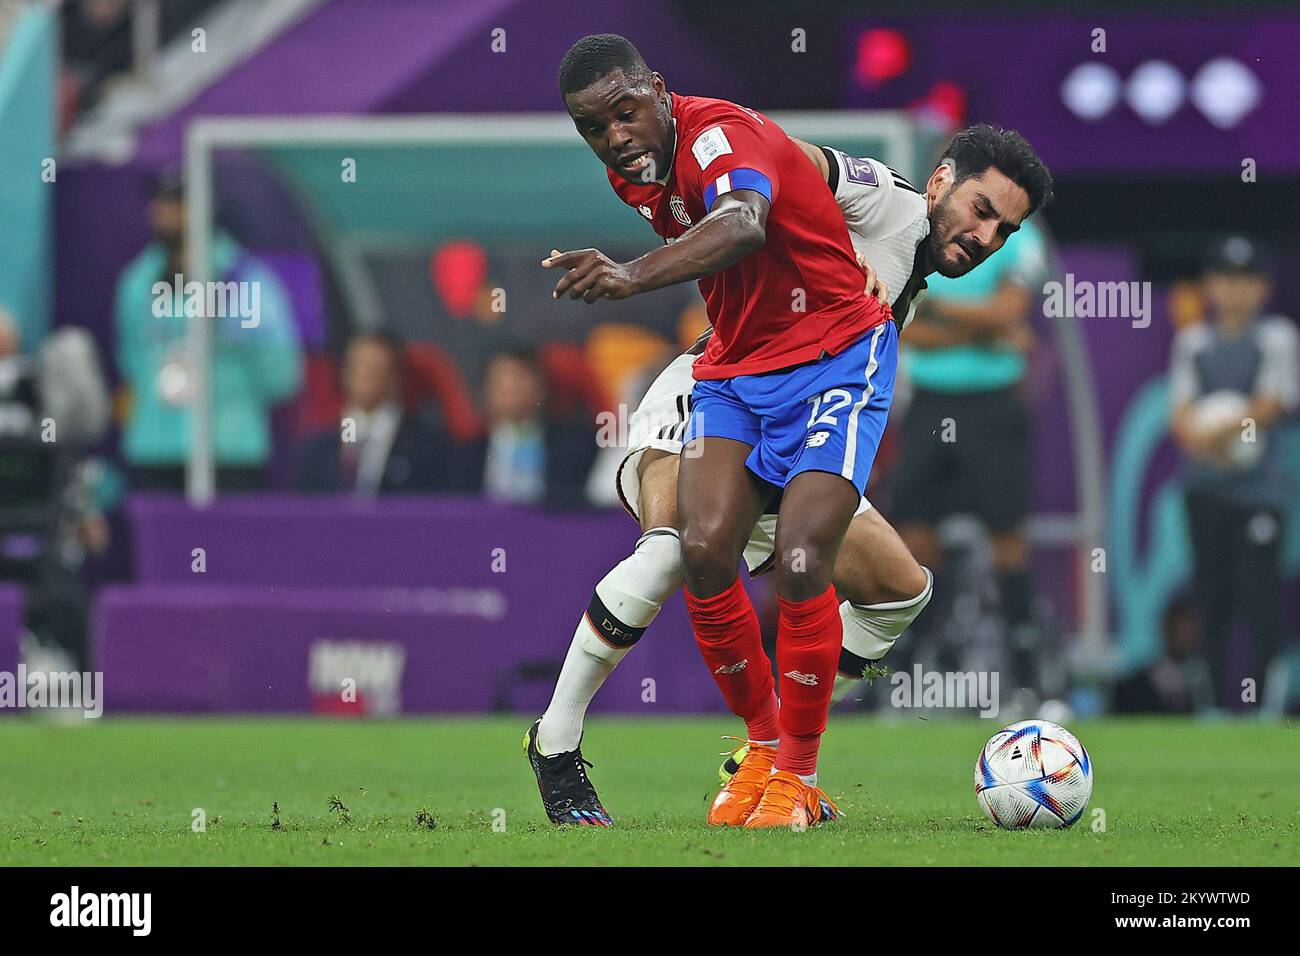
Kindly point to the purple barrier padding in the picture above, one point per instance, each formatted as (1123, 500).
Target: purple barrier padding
(249, 649)
(12, 609)
(283, 572)
(339, 541)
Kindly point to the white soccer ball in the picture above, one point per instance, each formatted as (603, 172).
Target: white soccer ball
(1222, 409)
(1034, 774)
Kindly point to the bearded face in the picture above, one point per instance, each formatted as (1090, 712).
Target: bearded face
(972, 218)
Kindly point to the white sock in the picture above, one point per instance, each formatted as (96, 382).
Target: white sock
(580, 678)
(625, 602)
(870, 631)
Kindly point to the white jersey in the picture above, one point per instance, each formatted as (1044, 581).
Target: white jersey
(887, 221)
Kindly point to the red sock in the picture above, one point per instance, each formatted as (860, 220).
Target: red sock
(726, 630)
(808, 642)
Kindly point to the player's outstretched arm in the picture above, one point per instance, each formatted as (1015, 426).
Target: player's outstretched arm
(735, 228)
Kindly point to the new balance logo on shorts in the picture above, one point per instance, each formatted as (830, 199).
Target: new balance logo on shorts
(733, 668)
(817, 439)
(808, 680)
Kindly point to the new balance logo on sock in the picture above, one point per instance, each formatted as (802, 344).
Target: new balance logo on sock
(808, 680)
(733, 668)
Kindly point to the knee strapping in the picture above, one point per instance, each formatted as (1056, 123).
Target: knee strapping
(629, 597)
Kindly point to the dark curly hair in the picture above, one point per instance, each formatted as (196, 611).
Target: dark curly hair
(976, 148)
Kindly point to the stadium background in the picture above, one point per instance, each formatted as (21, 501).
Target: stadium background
(447, 602)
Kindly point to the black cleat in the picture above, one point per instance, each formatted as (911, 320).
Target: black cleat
(567, 795)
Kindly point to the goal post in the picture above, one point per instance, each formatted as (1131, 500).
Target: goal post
(421, 178)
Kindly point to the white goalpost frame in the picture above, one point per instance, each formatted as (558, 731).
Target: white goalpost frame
(229, 131)
(207, 134)
(200, 473)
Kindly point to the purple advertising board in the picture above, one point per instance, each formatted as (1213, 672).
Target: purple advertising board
(367, 651)
(273, 603)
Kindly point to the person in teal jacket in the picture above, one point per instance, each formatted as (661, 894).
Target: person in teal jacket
(257, 360)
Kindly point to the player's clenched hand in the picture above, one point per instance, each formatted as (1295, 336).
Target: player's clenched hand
(875, 285)
(590, 275)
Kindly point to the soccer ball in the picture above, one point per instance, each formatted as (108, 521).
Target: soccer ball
(1034, 774)
(1220, 409)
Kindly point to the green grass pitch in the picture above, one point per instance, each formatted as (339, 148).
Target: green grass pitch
(124, 791)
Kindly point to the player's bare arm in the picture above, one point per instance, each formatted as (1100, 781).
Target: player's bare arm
(736, 227)
(815, 156)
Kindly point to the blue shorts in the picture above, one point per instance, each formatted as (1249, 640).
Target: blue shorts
(826, 415)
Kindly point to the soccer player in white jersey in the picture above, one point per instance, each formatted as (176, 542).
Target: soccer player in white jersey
(900, 235)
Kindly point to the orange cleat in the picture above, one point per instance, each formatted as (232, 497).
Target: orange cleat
(789, 802)
(740, 795)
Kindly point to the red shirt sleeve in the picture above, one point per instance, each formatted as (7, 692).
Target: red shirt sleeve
(732, 154)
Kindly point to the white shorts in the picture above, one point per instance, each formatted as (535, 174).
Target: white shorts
(659, 422)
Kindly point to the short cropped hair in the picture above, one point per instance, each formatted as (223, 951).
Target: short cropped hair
(976, 148)
(598, 55)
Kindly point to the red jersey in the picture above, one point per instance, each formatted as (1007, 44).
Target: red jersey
(798, 297)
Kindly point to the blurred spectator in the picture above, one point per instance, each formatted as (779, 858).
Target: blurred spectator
(99, 46)
(965, 436)
(96, 43)
(530, 455)
(52, 407)
(256, 361)
(378, 448)
(1232, 381)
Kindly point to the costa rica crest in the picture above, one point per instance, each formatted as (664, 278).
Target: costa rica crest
(678, 207)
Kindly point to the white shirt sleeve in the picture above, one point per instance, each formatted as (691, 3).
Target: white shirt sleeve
(1279, 373)
(875, 199)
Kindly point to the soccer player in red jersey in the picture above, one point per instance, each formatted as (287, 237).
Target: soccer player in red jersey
(744, 213)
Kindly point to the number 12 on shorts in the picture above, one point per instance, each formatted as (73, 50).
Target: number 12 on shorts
(835, 399)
